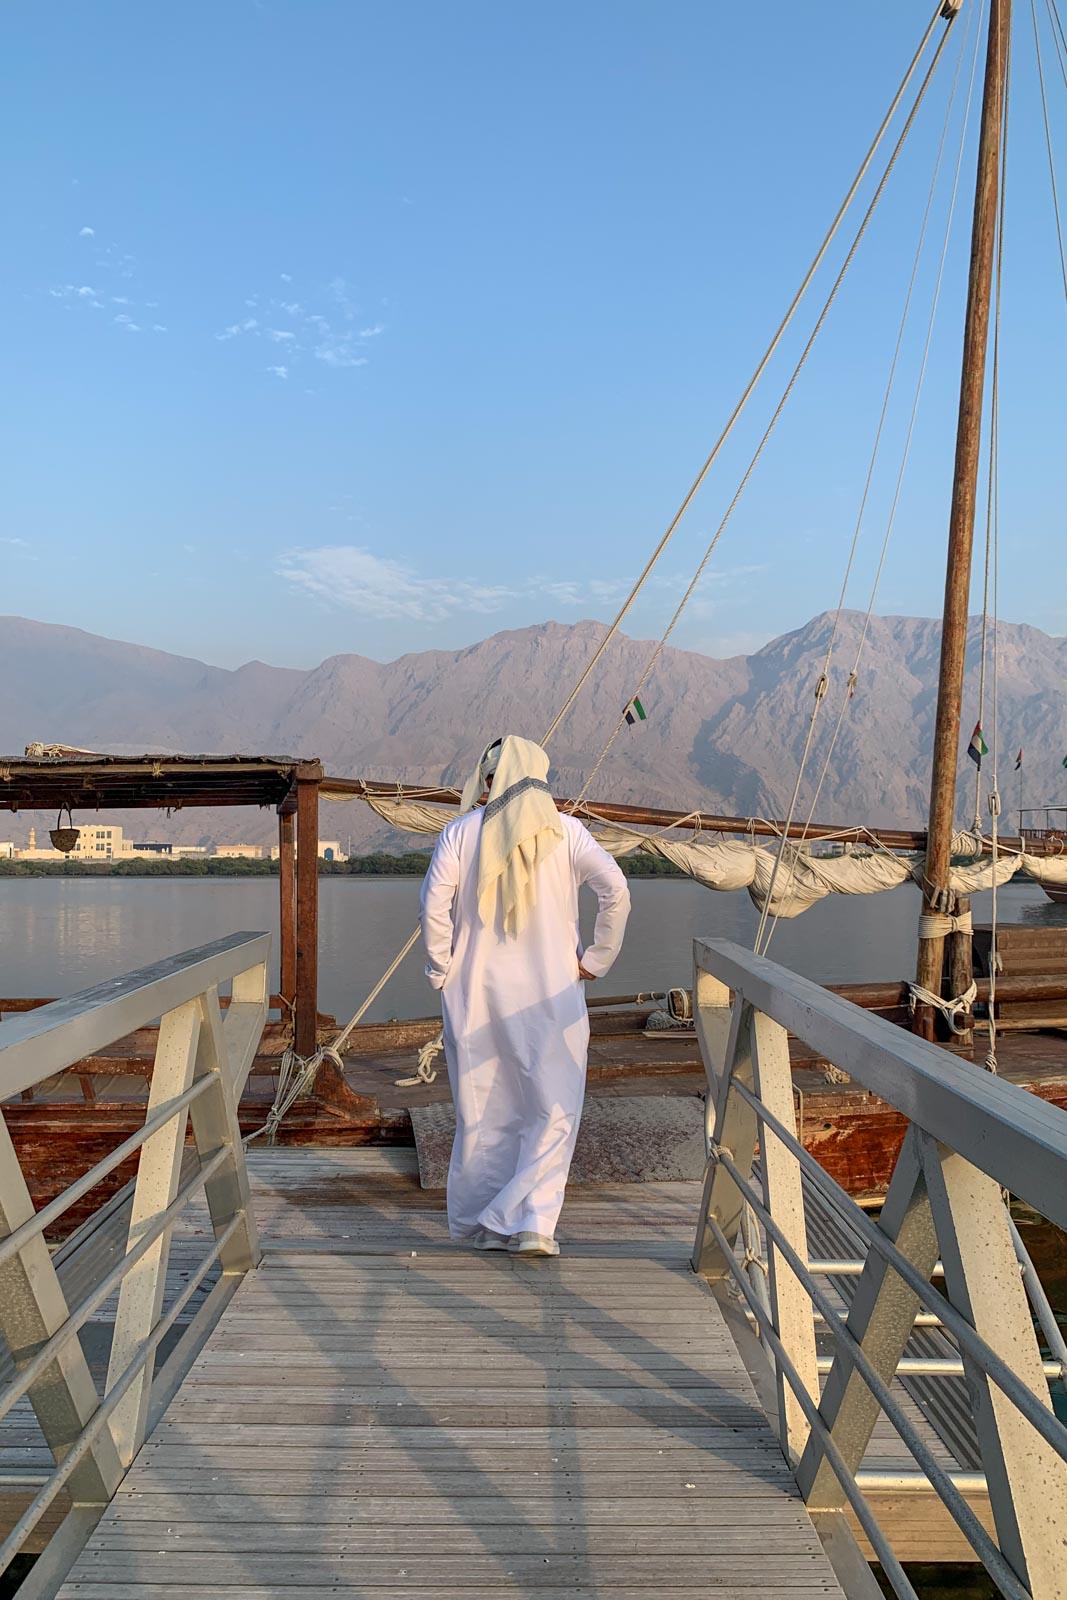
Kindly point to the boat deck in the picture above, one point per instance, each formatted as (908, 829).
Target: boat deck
(59, 1132)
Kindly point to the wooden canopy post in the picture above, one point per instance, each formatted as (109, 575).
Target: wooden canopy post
(308, 779)
(287, 899)
(930, 965)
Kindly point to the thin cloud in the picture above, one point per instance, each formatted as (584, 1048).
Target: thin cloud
(126, 322)
(279, 372)
(325, 334)
(249, 325)
(356, 580)
(340, 295)
(158, 327)
(338, 353)
(87, 233)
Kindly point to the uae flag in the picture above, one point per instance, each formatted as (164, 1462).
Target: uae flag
(635, 712)
(1019, 762)
(977, 747)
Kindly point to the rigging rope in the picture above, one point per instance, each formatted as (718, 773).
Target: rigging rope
(851, 681)
(828, 303)
(992, 556)
(1048, 144)
(1059, 38)
(672, 526)
(821, 686)
(294, 1068)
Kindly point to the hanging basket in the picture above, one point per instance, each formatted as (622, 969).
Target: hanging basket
(64, 839)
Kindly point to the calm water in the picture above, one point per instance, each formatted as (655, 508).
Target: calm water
(58, 935)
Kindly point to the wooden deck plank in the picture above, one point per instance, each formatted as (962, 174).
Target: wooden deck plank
(391, 1424)
(355, 1589)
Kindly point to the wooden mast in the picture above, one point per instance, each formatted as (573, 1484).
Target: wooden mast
(936, 898)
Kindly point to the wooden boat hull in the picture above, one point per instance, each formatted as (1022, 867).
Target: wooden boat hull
(854, 1136)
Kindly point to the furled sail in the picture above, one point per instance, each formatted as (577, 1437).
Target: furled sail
(801, 880)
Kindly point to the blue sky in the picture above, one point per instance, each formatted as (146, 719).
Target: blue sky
(337, 326)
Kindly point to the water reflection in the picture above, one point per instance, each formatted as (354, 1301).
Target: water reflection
(58, 935)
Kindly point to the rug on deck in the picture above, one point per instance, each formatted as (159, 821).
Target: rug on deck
(622, 1139)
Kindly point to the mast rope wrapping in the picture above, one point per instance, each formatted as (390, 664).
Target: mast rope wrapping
(949, 1009)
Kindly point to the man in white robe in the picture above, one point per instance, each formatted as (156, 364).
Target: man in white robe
(500, 926)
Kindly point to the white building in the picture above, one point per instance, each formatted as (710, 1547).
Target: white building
(103, 842)
(329, 850)
(239, 852)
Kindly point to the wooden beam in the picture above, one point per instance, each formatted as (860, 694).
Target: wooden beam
(307, 914)
(655, 817)
(287, 905)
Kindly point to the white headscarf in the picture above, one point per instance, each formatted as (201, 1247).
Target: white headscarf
(521, 826)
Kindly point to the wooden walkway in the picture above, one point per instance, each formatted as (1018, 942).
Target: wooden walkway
(380, 1414)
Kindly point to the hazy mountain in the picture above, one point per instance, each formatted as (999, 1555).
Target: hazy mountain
(723, 734)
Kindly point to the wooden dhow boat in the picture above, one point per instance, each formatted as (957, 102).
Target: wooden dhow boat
(994, 993)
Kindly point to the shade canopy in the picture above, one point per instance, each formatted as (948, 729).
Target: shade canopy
(165, 782)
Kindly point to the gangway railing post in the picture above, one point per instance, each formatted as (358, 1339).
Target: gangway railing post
(32, 1308)
(214, 1122)
(736, 1129)
(791, 1309)
(158, 1179)
(1027, 1480)
(881, 1317)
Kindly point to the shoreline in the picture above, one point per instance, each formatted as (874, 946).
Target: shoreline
(411, 864)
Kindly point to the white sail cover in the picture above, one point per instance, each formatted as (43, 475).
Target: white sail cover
(801, 879)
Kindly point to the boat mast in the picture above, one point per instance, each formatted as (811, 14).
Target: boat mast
(937, 898)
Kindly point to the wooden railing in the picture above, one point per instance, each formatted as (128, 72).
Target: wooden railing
(202, 1059)
(972, 1139)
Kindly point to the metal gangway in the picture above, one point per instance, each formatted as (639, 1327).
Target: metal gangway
(266, 1370)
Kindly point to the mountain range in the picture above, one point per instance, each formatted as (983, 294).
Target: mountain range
(723, 734)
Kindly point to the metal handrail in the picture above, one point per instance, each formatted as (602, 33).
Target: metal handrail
(27, 1375)
(745, 1008)
(991, 1364)
(961, 1512)
(116, 1394)
(37, 1044)
(1011, 1135)
(50, 1213)
(200, 1065)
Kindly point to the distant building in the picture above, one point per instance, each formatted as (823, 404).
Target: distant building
(329, 850)
(103, 842)
(32, 853)
(7, 850)
(239, 852)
